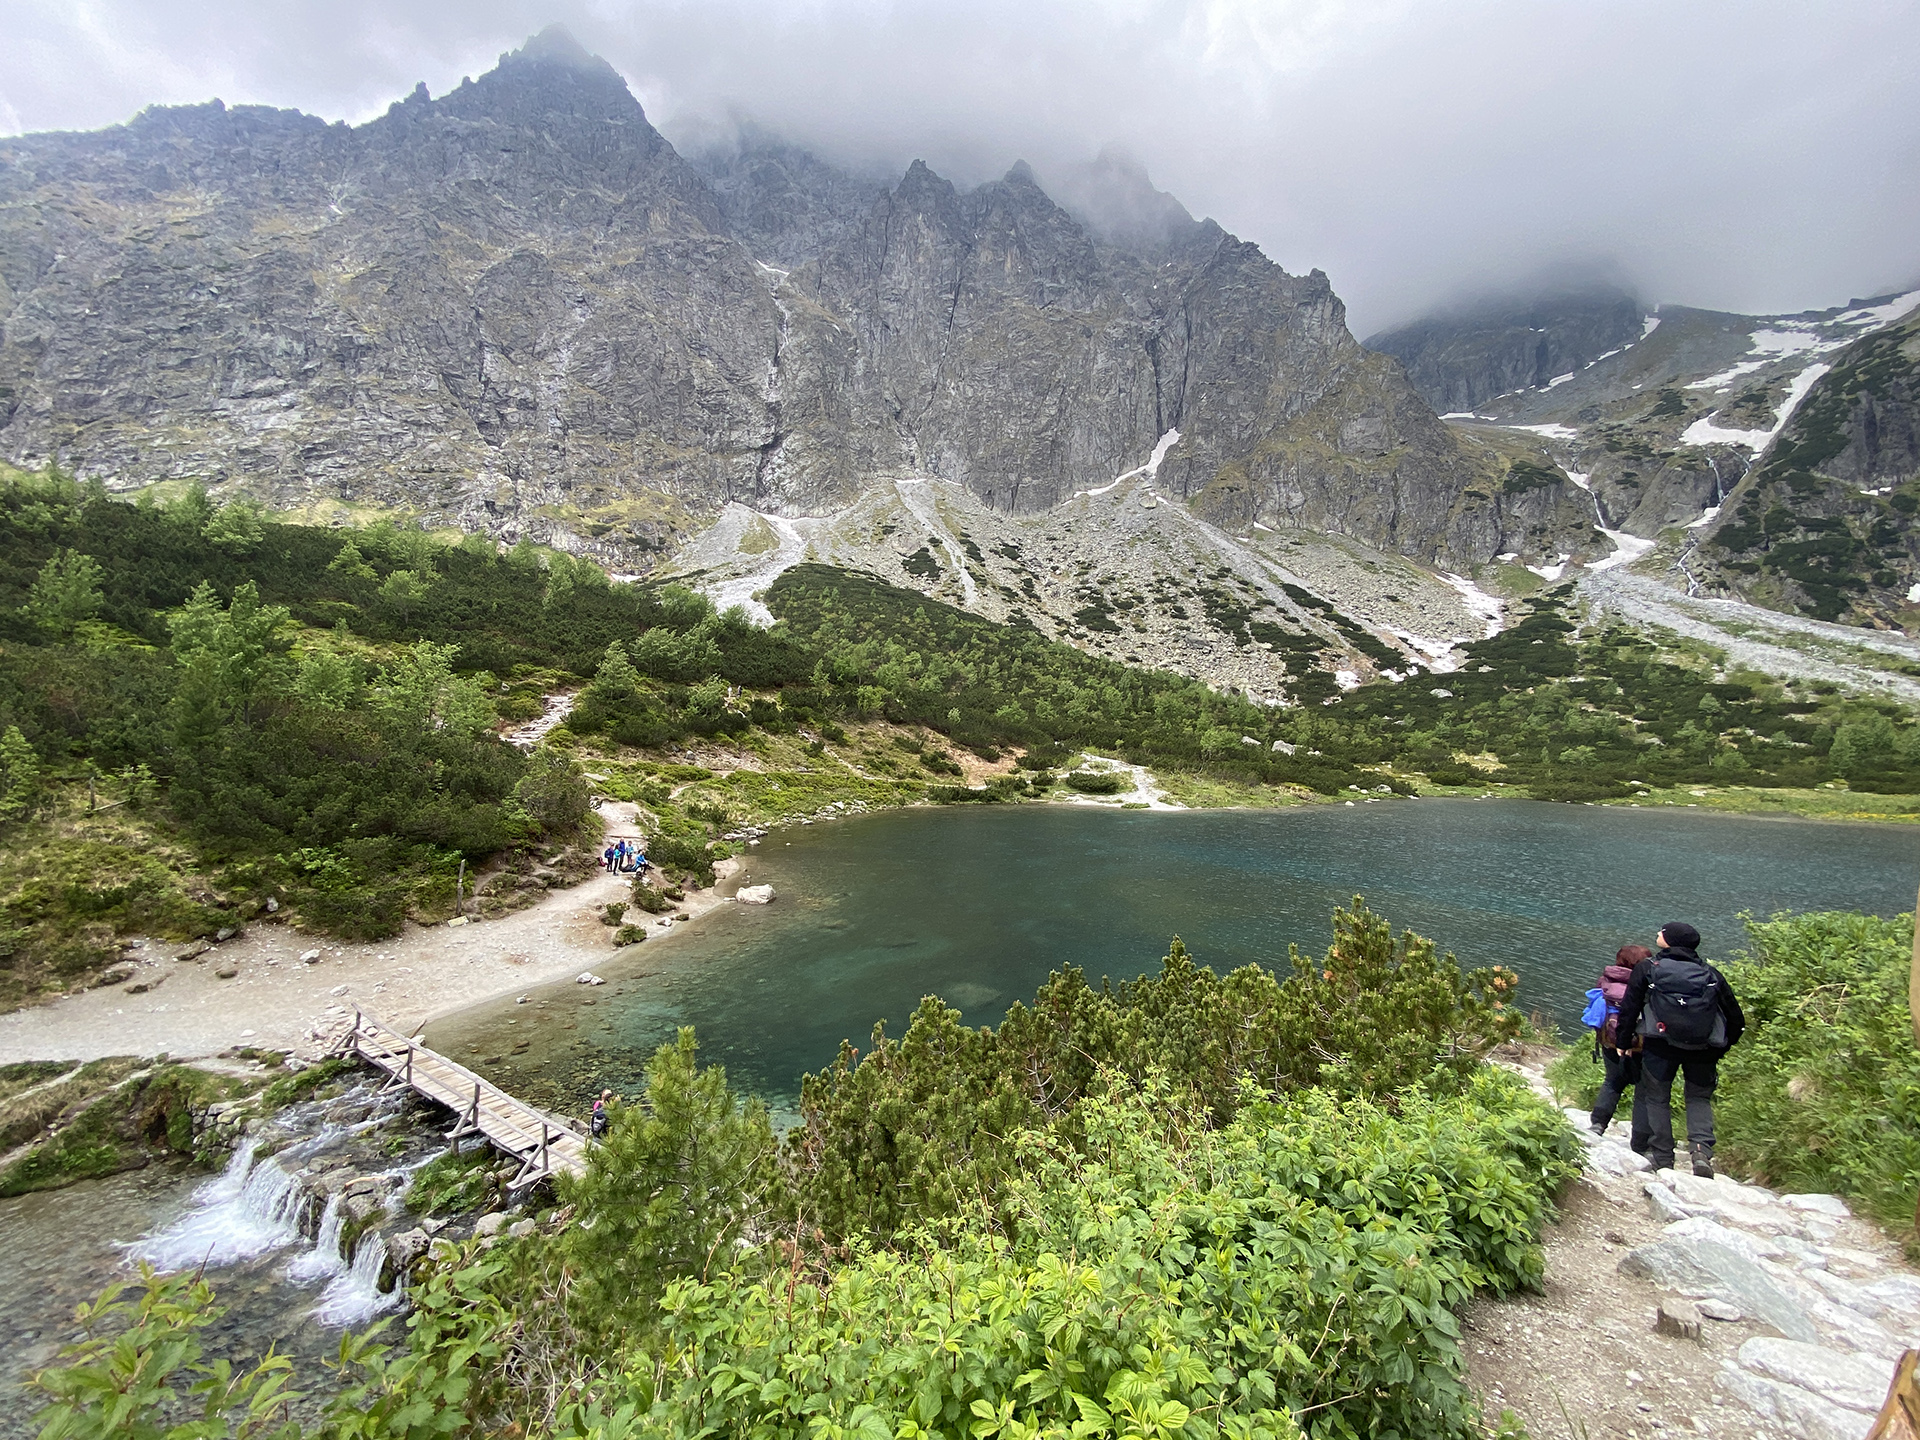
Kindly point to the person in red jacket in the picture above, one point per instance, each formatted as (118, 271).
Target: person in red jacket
(1620, 1054)
(1687, 1017)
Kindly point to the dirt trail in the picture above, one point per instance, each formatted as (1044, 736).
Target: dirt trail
(276, 1001)
(1582, 1360)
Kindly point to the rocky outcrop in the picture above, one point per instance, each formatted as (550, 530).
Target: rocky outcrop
(516, 308)
(1460, 360)
(1824, 523)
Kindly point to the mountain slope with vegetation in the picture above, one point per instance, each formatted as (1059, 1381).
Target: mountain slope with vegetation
(204, 713)
(1825, 523)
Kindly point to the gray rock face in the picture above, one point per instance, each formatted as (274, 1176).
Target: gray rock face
(1460, 361)
(1715, 1271)
(516, 308)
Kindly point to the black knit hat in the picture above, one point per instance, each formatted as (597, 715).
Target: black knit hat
(1680, 935)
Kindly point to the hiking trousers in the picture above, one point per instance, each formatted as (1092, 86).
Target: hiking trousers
(1623, 1070)
(1659, 1065)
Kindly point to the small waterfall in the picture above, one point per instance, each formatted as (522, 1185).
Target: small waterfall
(323, 1261)
(260, 1205)
(353, 1296)
(248, 1211)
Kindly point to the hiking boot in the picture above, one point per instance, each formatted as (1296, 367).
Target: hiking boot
(1702, 1161)
(1599, 1127)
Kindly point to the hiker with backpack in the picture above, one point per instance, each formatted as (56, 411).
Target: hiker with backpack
(1687, 1017)
(1619, 1054)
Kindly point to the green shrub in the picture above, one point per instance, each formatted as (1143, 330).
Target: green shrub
(681, 855)
(452, 1184)
(917, 1129)
(646, 898)
(1295, 1271)
(1098, 782)
(1823, 1093)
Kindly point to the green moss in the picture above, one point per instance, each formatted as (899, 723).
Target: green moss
(304, 1085)
(121, 1129)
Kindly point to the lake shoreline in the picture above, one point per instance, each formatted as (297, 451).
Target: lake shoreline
(429, 974)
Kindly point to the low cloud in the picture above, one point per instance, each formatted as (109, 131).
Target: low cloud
(1753, 156)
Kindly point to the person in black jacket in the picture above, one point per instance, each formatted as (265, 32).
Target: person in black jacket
(1664, 1004)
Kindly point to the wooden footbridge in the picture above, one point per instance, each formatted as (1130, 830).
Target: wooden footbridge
(542, 1143)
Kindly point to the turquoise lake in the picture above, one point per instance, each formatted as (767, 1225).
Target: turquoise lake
(978, 905)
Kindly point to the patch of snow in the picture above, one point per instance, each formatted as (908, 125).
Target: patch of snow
(1582, 478)
(1619, 349)
(1478, 601)
(1649, 325)
(1560, 379)
(1626, 549)
(1552, 572)
(1704, 432)
(1464, 415)
(1151, 469)
(1878, 316)
(1913, 593)
(1773, 346)
(1551, 432)
(1258, 526)
(1509, 557)
(1707, 517)
(1347, 679)
(1165, 443)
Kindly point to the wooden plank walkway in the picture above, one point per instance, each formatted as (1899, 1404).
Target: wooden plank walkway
(543, 1144)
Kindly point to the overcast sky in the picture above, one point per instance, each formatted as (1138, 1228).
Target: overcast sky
(1749, 155)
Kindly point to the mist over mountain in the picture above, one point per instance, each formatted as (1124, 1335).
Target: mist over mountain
(1471, 354)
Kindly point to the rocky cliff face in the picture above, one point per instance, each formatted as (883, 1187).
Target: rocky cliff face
(517, 308)
(1824, 523)
(1461, 360)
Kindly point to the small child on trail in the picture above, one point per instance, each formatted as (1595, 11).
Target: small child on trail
(1622, 1060)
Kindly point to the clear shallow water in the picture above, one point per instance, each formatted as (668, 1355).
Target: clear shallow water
(978, 905)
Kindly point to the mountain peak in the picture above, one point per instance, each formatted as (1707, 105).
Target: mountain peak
(556, 43)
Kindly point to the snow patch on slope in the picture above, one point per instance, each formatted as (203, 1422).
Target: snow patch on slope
(1478, 601)
(1704, 432)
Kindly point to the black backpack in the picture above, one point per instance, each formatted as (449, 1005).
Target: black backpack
(1683, 1005)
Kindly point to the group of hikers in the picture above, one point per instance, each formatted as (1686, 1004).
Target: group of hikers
(624, 857)
(1656, 1015)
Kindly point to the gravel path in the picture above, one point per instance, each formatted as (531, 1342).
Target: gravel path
(1790, 646)
(277, 1000)
(1792, 1313)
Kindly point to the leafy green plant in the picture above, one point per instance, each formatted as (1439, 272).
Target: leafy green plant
(1823, 1092)
(138, 1363)
(669, 1193)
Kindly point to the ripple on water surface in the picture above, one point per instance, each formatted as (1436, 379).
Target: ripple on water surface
(978, 905)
